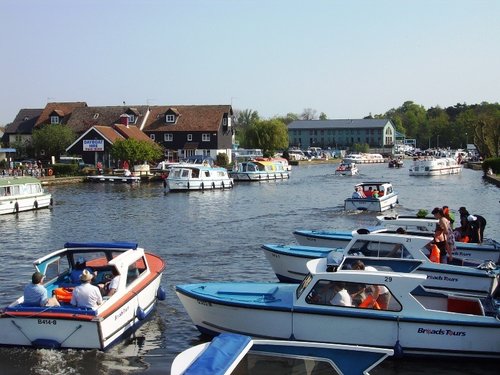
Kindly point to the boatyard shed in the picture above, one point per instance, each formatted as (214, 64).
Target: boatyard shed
(377, 133)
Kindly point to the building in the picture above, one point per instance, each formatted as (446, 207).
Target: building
(187, 130)
(339, 134)
(183, 130)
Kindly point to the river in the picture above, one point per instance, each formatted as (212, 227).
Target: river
(212, 235)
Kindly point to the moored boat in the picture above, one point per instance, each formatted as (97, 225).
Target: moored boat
(184, 177)
(363, 158)
(256, 170)
(432, 166)
(114, 179)
(230, 353)
(67, 326)
(22, 194)
(375, 196)
(347, 169)
(414, 322)
(390, 252)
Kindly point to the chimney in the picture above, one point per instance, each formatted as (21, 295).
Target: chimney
(124, 120)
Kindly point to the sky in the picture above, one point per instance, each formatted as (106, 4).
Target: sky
(345, 58)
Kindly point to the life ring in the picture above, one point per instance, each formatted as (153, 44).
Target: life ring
(35, 205)
(50, 172)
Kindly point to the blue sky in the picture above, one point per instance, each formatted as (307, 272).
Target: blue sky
(346, 58)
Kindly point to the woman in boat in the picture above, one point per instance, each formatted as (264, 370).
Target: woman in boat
(444, 237)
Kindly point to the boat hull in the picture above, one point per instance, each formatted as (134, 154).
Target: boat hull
(57, 328)
(371, 204)
(198, 184)
(259, 176)
(24, 203)
(435, 335)
(114, 179)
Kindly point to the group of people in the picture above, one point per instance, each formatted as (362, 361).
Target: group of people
(360, 194)
(471, 229)
(84, 295)
(336, 293)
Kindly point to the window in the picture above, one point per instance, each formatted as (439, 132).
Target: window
(54, 119)
(205, 137)
(170, 118)
(135, 270)
(152, 136)
(131, 119)
(352, 295)
(168, 137)
(189, 137)
(224, 121)
(96, 116)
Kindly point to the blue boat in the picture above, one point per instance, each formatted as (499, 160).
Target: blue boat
(231, 353)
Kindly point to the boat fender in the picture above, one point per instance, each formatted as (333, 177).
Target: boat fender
(35, 205)
(434, 254)
(51, 202)
(160, 294)
(398, 350)
(213, 185)
(141, 315)
(222, 184)
(16, 207)
(188, 185)
(202, 186)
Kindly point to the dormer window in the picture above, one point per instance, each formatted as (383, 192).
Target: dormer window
(54, 119)
(96, 116)
(170, 118)
(131, 119)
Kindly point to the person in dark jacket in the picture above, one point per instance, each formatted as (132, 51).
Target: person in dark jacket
(477, 223)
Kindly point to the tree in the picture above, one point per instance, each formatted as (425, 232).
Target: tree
(323, 116)
(52, 140)
(309, 114)
(244, 120)
(136, 151)
(269, 135)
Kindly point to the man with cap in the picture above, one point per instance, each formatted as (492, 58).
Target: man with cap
(86, 294)
(476, 228)
(35, 293)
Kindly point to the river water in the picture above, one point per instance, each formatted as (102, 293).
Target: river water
(212, 235)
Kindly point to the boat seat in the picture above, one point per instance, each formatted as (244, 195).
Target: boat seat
(465, 306)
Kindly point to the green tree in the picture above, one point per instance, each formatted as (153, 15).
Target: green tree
(52, 140)
(244, 120)
(269, 135)
(309, 114)
(487, 130)
(323, 116)
(136, 151)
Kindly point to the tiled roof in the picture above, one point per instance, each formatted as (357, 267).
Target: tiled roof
(63, 108)
(82, 119)
(132, 132)
(24, 121)
(109, 133)
(190, 118)
(338, 124)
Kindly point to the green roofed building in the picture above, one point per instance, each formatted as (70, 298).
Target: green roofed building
(377, 133)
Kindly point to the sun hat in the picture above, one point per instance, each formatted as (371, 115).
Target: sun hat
(471, 218)
(86, 276)
(37, 277)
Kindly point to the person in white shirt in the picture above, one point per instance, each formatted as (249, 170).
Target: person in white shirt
(342, 297)
(109, 288)
(86, 294)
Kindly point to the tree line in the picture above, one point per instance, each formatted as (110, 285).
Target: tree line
(452, 127)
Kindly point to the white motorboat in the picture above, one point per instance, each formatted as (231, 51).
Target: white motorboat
(489, 249)
(259, 170)
(67, 326)
(22, 194)
(363, 158)
(230, 353)
(347, 169)
(390, 252)
(376, 196)
(415, 322)
(432, 166)
(184, 177)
